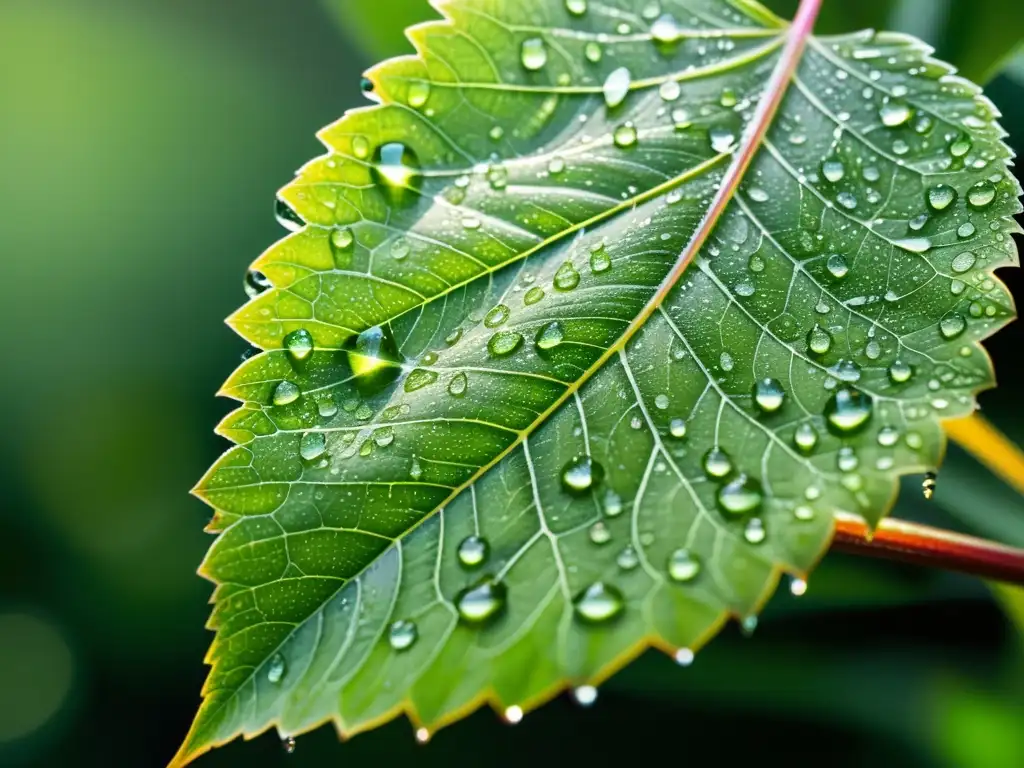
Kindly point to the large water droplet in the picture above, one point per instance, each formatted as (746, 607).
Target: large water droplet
(805, 438)
(677, 428)
(566, 277)
(374, 359)
(683, 566)
(497, 316)
(833, 170)
(276, 669)
(740, 496)
(599, 602)
(616, 87)
(418, 93)
(625, 135)
(981, 194)
(963, 262)
(600, 261)
(256, 283)
(299, 344)
(504, 343)
(550, 336)
(482, 602)
(895, 112)
(533, 295)
(287, 217)
(457, 385)
(419, 378)
(941, 196)
(665, 30)
(952, 325)
(312, 446)
(581, 474)
(396, 170)
(837, 266)
(769, 395)
(576, 7)
(286, 392)
(402, 634)
(533, 54)
(819, 341)
(717, 463)
(723, 140)
(848, 411)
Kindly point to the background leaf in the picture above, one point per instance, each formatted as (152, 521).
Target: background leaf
(846, 306)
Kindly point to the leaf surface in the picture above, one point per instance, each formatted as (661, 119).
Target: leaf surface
(499, 441)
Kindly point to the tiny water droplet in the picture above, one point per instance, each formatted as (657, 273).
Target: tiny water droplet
(740, 496)
(683, 566)
(963, 262)
(402, 634)
(482, 602)
(400, 248)
(848, 411)
(665, 29)
(418, 93)
(287, 217)
(965, 230)
(627, 559)
(684, 657)
(670, 90)
(581, 474)
(797, 587)
(593, 52)
(599, 602)
(533, 54)
(556, 166)
(576, 7)
(288, 743)
(928, 485)
(299, 344)
(473, 551)
(612, 503)
(285, 392)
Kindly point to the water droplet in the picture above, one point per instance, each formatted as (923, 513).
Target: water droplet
(895, 112)
(419, 378)
(670, 90)
(581, 474)
(819, 341)
(900, 372)
(757, 194)
(797, 587)
(847, 200)
(422, 735)
(473, 551)
(847, 459)
(599, 602)
(285, 392)
(723, 140)
(728, 98)
(725, 362)
(888, 437)
(677, 428)
(960, 146)
(299, 344)
(585, 695)
(627, 559)
(612, 503)
(941, 196)
(684, 657)
(661, 402)
(833, 170)
(836, 265)
(848, 411)
(965, 230)
(256, 283)
(717, 463)
(504, 343)
(981, 194)
(740, 496)
(599, 533)
(556, 166)
(402, 634)
(400, 248)
(415, 469)
(396, 169)
(481, 602)
(276, 669)
(769, 395)
(342, 239)
(566, 277)
(550, 336)
(533, 54)
(683, 566)
(576, 7)
(497, 176)
(625, 135)
(805, 438)
(457, 385)
(419, 92)
(665, 29)
(963, 262)
(917, 223)
(754, 532)
(593, 52)
(952, 325)
(514, 714)
(287, 217)
(288, 744)
(497, 316)
(928, 485)
(374, 358)
(600, 261)
(312, 446)
(616, 87)
(533, 295)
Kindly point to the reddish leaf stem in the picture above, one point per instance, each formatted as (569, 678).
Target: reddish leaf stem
(907, 542)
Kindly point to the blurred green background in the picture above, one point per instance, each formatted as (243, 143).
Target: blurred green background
(141, 144)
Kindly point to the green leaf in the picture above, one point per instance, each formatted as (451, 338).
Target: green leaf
(499, 441)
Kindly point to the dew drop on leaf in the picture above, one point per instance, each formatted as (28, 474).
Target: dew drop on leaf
(585, 695)
(900, 372)
(566, 277)
(256, 283)
(627, 559)
(599, 533)
(665, 29)
(593, 52)
(684, 657)
(941, 196)
(723, 140)
(952, 325)
(276, 669)
(576, 7)
(928, 485)
(895, 112)
(532, 296)
(963, 262)
(848, 411)
(402, 634)
(768, 395)
(677, 428)
(616, 87)
(481, 602)
(396, 170)
(285, 392)
(754, 532)
(805, 438)
(598, 603)
(473, 551)
(299, 344)
(419, 92)
(533, 54)
(981, 195)
(287, 217)
(832, 170)
(819, 341)
(497, 316)
(740, 496)
(312, 446)
(581, 475)
(625, 135)
(504, 343)
(836, 265)
(419, 378)
(717, 463)
(600, 261)
(683, 566)
(288, 744)
(457, 385)
(550, 336)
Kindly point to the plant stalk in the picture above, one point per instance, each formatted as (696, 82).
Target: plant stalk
(908, 542)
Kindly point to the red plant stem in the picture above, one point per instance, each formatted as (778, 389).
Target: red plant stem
(907, 542)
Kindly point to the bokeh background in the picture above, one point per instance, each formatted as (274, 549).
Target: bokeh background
(141, 144)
